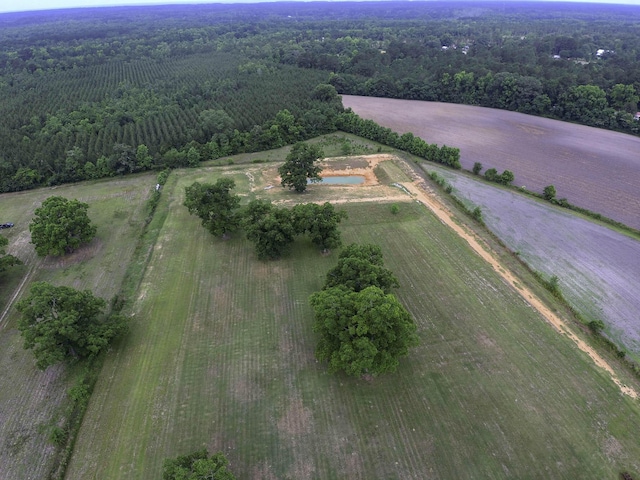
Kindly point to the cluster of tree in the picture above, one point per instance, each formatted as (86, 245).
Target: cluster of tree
(272, 229)
(61, 226)
(61, 324)
(197, 466)
(352, 123)
(612, 108)
(491, 174)
(505, 178)
(363, 328)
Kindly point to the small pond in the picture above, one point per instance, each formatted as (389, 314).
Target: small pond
(343, 180)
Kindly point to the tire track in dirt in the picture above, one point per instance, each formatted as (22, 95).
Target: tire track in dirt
(418, 190)
(35, 264)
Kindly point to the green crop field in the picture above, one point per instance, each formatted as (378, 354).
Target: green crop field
(220, 355)
(32, 401)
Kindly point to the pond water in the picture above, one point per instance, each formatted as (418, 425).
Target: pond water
(343, 180)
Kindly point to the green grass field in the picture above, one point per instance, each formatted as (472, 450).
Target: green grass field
(31, 401)
(220, 355)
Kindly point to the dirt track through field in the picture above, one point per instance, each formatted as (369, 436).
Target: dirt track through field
(418, 191)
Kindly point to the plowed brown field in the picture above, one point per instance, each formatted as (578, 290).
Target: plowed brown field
(593, 168)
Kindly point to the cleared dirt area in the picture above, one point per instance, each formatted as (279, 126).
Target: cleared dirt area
(593, 168)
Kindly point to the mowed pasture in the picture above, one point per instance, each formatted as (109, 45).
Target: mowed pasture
(597, 267)
(32, 401)
(594, 169)
(220, 355)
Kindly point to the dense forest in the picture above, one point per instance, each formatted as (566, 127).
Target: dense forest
(89, 93)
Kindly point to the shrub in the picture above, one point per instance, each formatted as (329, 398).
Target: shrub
(491, 174)
(549, 193)
(58, 436)
(596, 326)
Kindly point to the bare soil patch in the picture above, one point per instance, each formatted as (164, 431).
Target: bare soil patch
(595, 169)
(82, 254)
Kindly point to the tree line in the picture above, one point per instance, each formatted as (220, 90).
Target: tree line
(83, 91)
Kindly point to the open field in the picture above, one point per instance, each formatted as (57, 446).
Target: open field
(597, 266)
(31, 400)
(595, 169)
(220, 355)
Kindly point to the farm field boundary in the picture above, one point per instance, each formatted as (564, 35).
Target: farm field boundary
(597, 266)
(594, 169)
(32, 402)
(445, 216)
(221, 356)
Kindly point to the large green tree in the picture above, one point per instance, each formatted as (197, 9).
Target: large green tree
(63, 324)
(60, 226)
(299, 166)
(215, 205)
(320, 222)
(360, 266)
(197, 466)
(586, 104)
(269, 228)
(6, 261)
(362, 332)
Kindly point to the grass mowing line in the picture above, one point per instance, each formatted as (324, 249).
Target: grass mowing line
(491, 392)
(241, 379)
(446, 217)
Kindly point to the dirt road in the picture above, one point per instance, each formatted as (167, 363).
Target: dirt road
(419, 192)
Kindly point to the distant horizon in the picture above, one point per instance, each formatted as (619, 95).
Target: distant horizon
(41, 5)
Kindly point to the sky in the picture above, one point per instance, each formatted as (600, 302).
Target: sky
(24, 5)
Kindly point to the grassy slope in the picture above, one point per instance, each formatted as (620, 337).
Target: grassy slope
(30, 400)
(221, 355)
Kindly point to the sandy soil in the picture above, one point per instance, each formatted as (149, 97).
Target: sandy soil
(370, 190)
(593, 168)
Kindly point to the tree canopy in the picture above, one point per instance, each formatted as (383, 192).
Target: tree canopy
(363, 332)
(360, 266)
(197, 466)
(61, 324)
(270, 228)
(60, 226)
(320, 222)
(6, 261)
(299, 166)
(566, 62)
(215, 205)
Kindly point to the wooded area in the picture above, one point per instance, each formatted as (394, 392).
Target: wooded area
(89, 93)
